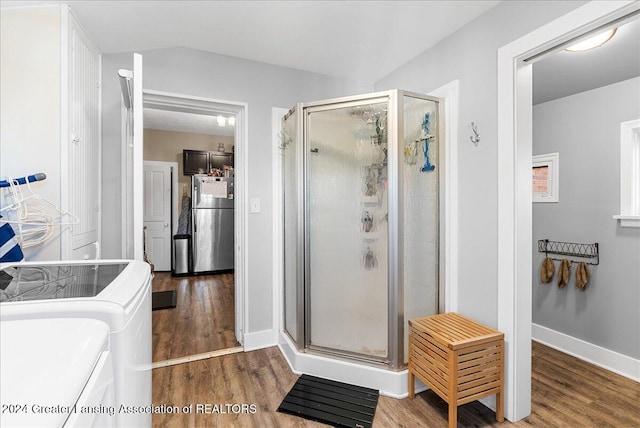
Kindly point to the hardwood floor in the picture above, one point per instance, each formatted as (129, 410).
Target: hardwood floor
(585, 395)
(203, 319)
(566, 392)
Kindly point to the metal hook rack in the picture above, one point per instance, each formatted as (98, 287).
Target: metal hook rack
(572, 249)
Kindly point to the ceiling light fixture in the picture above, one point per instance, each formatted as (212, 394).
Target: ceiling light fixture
(592, 42)
(232, 121)
(221, 121)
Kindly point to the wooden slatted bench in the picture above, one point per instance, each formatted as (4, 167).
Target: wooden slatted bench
(459, 359)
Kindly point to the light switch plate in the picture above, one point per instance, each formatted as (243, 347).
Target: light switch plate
(254, 205)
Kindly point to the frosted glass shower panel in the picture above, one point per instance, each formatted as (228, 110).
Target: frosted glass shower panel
(347, 259)
(288, 149)
(420, 176)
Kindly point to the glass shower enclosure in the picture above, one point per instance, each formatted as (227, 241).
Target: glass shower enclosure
(361, 193)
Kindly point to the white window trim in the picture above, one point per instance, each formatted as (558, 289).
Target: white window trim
(629, 174)
(551, 161)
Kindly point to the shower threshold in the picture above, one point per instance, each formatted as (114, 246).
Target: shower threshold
(369, 372)
(354, 357)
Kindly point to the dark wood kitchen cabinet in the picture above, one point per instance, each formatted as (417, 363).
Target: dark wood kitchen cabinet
(201, 161)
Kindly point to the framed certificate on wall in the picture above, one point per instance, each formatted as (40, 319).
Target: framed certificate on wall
(545, 172)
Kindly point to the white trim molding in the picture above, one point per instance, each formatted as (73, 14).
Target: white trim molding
(629, 174)
(607, 359)
(138, 159)
(628, 220)
(450, 94)
(551, 161)
(514, 186)
(260, 339)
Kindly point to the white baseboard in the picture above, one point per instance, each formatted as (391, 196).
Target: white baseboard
(601, 357)
(260, 339)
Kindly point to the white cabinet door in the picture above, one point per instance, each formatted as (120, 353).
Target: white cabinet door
(157, 213)
(84, 136)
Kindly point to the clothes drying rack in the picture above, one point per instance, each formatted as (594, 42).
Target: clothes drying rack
(27, 219)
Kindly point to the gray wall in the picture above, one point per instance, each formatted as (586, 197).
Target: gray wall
(585, 130)
(470, 55)
(198, 73)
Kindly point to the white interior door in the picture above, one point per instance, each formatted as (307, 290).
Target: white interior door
(157, 213)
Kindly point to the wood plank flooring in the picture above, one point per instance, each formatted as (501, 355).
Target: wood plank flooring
(586, 395)
(203, 319)
(566, 392)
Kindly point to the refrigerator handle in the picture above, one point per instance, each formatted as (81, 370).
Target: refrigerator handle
(193, 192)
(194, 249)
(193, 204)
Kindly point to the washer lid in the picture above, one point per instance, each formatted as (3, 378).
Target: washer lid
(44, 365)
(25, 282)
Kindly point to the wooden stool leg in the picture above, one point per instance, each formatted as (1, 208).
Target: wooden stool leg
(453, 389)
(500, 394)
(453, 415)
(412, 387)
(499, 407)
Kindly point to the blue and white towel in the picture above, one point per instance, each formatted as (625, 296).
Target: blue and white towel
(10, 250)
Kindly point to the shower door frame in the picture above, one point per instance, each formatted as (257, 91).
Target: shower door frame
(323, 106)
(395, 285)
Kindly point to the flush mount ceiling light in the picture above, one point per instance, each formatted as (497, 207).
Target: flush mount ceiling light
(592, 42)
(221, 121)
(232, 121)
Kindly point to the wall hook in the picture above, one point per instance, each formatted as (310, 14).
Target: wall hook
(475, 138)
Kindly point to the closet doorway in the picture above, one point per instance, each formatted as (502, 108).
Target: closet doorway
(207, 319)
(514, 189)
(580, 100)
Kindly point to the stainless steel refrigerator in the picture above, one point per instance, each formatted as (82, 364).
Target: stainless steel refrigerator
(213, 225)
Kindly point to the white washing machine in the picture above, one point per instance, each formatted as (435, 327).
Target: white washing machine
(56, 373)
(116, 292)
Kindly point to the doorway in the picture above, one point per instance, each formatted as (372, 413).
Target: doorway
(134, 101)
(572, 117)
(206, 291)
(200, 318)
(514, 187)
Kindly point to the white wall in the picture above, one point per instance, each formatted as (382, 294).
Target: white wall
(585, 130)
(30, 104)
(470, 55)
(261, 86)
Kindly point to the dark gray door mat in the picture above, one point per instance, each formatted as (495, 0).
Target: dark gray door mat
(330, 402)
(163, 300)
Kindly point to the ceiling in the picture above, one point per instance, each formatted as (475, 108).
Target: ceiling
(178, 121)
(361, 40)
(566, 73)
